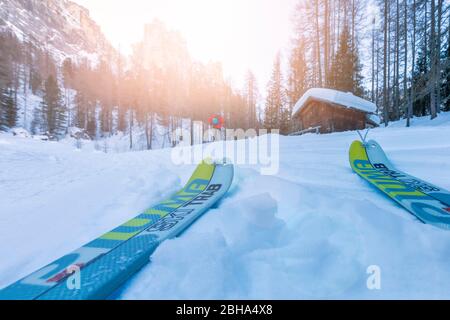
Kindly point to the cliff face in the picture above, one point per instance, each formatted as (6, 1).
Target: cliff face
(163, 48)
(62, 26)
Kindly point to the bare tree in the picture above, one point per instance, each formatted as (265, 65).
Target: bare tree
(433, 57)
(373, 60)
(412, 93)
(405, 44)
(385, 75)
(327, 32)
(438, 58)
(397, 63)
(318, 53)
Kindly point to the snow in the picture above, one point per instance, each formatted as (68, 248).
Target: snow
(18, 33)
(374, 118)
(310, 231)
(66, 37)
(20, 132)
(345, 99)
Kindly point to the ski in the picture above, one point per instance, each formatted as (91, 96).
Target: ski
(100, 267)
(426, 208)
(380, 161)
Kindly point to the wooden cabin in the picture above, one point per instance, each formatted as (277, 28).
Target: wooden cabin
(326, 110)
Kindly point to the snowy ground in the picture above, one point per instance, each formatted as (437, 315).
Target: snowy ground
(309, 232)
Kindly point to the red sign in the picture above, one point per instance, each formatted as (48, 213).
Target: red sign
(216, 121)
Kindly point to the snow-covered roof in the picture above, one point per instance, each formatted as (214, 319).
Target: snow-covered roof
(345, 99)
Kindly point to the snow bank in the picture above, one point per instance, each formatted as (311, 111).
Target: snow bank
(311, 231)
(20, 132)
(345, 99)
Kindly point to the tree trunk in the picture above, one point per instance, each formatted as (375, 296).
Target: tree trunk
(148, 131)
(389, 52)
(397, 61)
(438, 57)
(405, 70)
(373, 60)
(192, 132)
(326, 40)
(131, 129)
(152, 119)
(338, 36)
(353, 40)
(332, 25)
(385, 102)
(377, 89)
(319, 60)
(433, 55)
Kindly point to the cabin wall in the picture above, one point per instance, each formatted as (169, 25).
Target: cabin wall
(331, 118)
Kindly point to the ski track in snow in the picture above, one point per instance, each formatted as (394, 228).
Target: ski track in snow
(311, 231)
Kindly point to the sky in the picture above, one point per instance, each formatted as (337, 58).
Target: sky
(242, 34)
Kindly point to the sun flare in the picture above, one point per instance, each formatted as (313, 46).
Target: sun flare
(241, 35)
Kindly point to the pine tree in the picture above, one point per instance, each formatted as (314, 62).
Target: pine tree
(422, 100)
(298, 73)
(67, 72)
(9, 107)
(91, 126)
(5, 73)
(275, 116)
(80, 110)
(251, 99)
(68, 76)
(35, 81)
(121, 110)
(52, 109)
(106, 97)
(346, 68)
(37, 123)
(446, 83)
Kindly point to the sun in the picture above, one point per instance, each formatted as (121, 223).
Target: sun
(241, 34)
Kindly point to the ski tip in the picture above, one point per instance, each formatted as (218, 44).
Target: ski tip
(217, 162)
(208, 161)
(356, 151)
(356, 144)
(373, 144)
